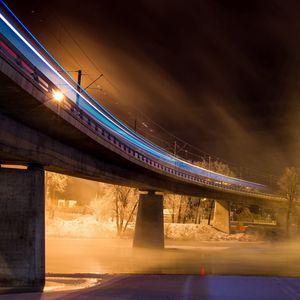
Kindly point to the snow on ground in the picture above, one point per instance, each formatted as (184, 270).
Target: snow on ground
(64, 284)
(81, 226)
(89, 227)
(203, 232)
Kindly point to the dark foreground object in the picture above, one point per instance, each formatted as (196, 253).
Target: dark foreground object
(181, 287)
(149, 227)
(22, 229)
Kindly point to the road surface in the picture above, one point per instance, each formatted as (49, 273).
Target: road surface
(179, 287)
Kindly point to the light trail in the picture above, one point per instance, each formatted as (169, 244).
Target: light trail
(93, 108)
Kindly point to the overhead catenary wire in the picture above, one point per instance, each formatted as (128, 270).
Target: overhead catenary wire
(183, 146)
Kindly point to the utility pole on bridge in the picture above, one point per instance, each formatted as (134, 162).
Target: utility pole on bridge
(79, 75)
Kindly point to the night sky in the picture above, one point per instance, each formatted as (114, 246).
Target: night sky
(222, 75)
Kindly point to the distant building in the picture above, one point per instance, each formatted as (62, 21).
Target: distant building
(168, 213)
(66, 203)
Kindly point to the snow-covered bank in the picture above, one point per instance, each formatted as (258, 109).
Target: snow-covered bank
(82, 226)
(89, 227)
(203, 232)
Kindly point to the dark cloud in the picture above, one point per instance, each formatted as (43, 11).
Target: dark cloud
(221, 74)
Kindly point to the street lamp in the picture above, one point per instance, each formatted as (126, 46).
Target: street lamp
(58, 96)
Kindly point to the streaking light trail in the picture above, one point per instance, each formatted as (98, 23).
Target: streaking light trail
(67, 88)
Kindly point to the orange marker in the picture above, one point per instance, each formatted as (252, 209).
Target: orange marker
(202, 271)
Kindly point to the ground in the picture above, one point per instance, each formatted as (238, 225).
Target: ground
(88, 226)
(178, 287)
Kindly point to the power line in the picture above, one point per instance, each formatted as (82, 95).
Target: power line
(186, 146)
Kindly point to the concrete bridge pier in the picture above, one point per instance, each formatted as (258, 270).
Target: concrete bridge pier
(221, 220)
(22, 229)
(149, 227)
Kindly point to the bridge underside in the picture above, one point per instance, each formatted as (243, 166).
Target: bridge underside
(24, 145)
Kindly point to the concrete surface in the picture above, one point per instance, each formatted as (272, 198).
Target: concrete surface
(149, 226)
(22, 228)
(221, 219)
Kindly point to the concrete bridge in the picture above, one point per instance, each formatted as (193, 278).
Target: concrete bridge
(76, 136)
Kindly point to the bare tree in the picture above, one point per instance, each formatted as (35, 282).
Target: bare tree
(219, 167)
(289, 185)
(54, 183)
(172, 202)
(125, 204)
(186, 208)
(102, 206)
(182, 209)
(199, 211)
(189, 210)
(216, 166)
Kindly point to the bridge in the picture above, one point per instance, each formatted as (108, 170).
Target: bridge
(48, 122)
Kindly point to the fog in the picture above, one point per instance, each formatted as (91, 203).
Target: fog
(114, 256)
(83, 235)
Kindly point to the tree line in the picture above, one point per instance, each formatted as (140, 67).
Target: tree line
(119, 203)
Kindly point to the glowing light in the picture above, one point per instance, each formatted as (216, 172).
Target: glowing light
(7, 166)
(58, 96)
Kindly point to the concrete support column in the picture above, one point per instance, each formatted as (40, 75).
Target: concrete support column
(221, 219)
(22, 229)
(149, 227)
